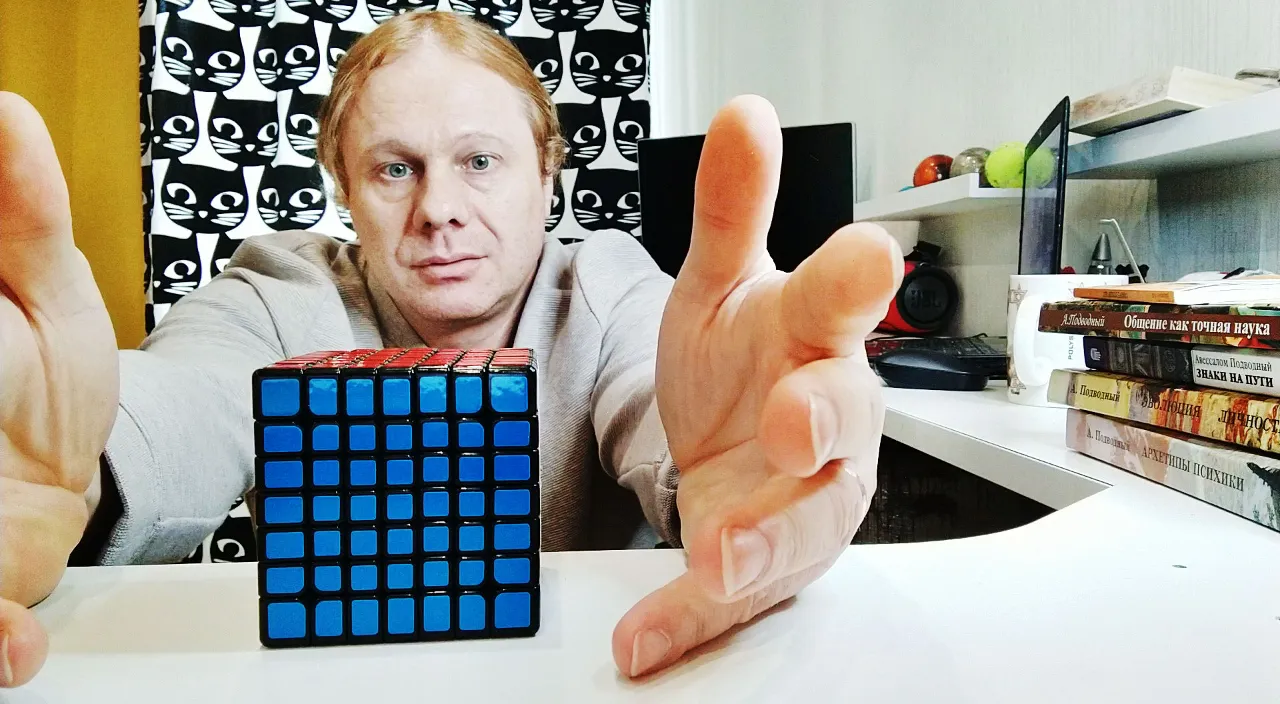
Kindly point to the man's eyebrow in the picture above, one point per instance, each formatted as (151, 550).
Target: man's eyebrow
(480, 134)
(390, 144)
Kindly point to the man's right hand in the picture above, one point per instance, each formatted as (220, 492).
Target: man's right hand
(59, 383)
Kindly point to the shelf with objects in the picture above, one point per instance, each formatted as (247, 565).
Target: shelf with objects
(1242, 131)
(954, 196)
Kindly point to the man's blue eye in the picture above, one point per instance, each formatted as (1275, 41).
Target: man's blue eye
(397, 170)
(480, 162)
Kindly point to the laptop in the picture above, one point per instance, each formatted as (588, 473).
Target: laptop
(815, 193)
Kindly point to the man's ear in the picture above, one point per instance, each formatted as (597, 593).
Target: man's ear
(548, 194)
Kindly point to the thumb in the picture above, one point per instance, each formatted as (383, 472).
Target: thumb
(23, 645)
(38, 257)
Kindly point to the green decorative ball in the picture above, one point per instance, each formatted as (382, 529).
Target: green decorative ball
(1040, 168)
(1004, 165)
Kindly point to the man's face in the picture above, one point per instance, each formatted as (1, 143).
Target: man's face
(444, 187)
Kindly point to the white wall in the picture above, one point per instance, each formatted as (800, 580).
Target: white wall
(936, 76)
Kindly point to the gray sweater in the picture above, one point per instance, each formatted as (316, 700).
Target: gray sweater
(182, 449)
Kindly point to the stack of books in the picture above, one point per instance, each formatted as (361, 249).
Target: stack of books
(1182, 386)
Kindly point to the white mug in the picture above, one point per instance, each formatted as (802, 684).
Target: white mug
(1033, 355)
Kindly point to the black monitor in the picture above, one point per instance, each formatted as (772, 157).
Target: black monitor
(1044, 169)
(815, 193)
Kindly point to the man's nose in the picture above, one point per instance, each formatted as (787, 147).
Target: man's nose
(442, 200)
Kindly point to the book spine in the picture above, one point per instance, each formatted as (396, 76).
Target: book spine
(1246, 371)
(1243, 370)
(1232, 330)
(1166, 361)
(1227, 416)
(1238, 481)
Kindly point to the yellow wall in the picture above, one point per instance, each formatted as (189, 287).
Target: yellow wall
(77, 62)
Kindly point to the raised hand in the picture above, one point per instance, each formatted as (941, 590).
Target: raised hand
(771, 411)
(59, 383)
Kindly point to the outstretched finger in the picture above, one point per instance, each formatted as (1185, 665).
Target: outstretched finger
(679, 617)
(736, 187)
(842, 291)
(826, 410)
(38, 257)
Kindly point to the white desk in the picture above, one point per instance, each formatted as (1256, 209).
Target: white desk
(1083, 605)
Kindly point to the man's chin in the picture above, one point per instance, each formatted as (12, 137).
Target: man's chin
(454, 301)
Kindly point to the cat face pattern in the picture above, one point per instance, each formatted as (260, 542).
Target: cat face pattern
(178, 271)
(499, 14)
(291, 197)
(287, 56)
(557, 205)
(634, 12)
(543, 56)
(608, 64)
(340, 41)
(301, 124)
(607, 199)
(200, 56)
(245, 13)
(565, 15)
(203, 198)
(383, 10)
(583, 128)
(333, 11)
(630, 125)
(175, 127)
(244, 131)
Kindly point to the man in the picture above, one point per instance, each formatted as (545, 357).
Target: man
(445, 147)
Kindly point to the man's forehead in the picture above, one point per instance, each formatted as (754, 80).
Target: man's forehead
(431, 87)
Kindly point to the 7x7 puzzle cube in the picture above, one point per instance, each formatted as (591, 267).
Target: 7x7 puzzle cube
(397, 496)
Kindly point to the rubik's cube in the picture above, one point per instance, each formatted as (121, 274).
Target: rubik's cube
(397, 496)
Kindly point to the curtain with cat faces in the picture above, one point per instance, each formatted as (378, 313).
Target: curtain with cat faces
(229, 91)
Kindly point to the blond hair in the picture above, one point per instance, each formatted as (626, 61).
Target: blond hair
(466, 38)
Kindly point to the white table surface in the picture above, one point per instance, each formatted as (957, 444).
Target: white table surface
(1086, 605)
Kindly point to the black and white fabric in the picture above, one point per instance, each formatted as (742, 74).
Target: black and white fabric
(229, 91)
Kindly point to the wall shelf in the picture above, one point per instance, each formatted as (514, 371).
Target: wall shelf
(953, 196)
(1240, 132)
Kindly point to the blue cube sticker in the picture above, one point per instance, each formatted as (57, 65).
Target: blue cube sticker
(400, 472)
(280, 397)
(329, 621)
(286, 620)
(512, 610)
(471, 615)
(285, 546)
(282, 474)
(396, 396)
(322, 396)
(359, 397)
(325, 438)
(512, 468)
(435, 613)
(365, 618)
(468, 394)
(509, 393)
(432, 394)
(280, 439)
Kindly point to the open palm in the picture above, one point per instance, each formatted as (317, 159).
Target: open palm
(770, 409)
(59, 382)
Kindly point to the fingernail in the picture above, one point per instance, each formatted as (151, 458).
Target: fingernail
(822, 424)
(7, 673)
(744, 553)
(647, 650)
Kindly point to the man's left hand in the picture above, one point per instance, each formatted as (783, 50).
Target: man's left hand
(772, 414)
